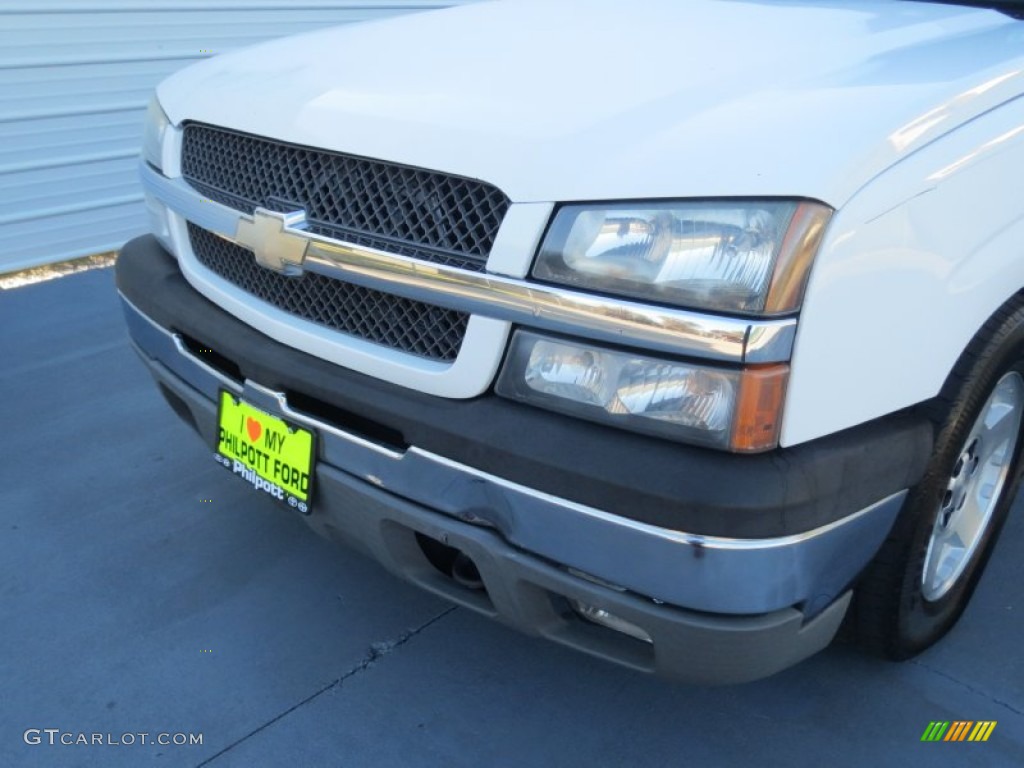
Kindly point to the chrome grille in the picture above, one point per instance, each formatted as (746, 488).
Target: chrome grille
(423, 214)
(409, 326)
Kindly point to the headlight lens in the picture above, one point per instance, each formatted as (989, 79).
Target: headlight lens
(725, 408)
(748, 257)
(157, 124)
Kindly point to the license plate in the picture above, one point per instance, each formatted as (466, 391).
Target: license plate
(267, 452)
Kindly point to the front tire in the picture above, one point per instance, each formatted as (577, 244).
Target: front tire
(920, 582)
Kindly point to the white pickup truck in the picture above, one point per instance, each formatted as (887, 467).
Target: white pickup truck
(674, 332)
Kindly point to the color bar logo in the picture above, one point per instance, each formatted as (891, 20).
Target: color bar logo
(958, 730)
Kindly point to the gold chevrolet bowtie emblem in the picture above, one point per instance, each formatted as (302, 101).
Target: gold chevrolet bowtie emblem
(267, 234)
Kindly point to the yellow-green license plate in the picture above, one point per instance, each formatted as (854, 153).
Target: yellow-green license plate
(267, 452)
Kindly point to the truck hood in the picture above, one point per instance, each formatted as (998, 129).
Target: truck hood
(592, 100)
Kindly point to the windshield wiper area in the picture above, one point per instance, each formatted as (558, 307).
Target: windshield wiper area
(1014, 8)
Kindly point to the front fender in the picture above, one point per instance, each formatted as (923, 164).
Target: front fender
(911, 267)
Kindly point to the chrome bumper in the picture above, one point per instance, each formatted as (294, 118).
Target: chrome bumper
(704, 573)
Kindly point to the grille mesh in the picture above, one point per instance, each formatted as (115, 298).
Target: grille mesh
(410, 211)
(410, 326)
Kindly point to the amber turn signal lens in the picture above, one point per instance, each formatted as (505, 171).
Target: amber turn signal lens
(758, 417)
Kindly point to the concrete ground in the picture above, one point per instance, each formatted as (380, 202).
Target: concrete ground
(145, 590)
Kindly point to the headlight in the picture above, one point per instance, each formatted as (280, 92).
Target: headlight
(157, 124)
(747, 257)
(734, 409)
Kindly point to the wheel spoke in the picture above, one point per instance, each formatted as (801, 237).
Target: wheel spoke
(943, 563)
(965, 525)
(931, 565)
(999, 431)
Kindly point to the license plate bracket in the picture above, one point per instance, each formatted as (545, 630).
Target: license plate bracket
(270, 453)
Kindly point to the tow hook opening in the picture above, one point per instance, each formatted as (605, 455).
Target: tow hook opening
(179, 406)
(464, 572)
(452, 562)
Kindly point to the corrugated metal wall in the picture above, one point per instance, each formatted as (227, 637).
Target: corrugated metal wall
(75, 77)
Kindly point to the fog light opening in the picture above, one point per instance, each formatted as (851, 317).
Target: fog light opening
(603, 618)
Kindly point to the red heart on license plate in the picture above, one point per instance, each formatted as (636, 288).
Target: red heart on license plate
(254, 428)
